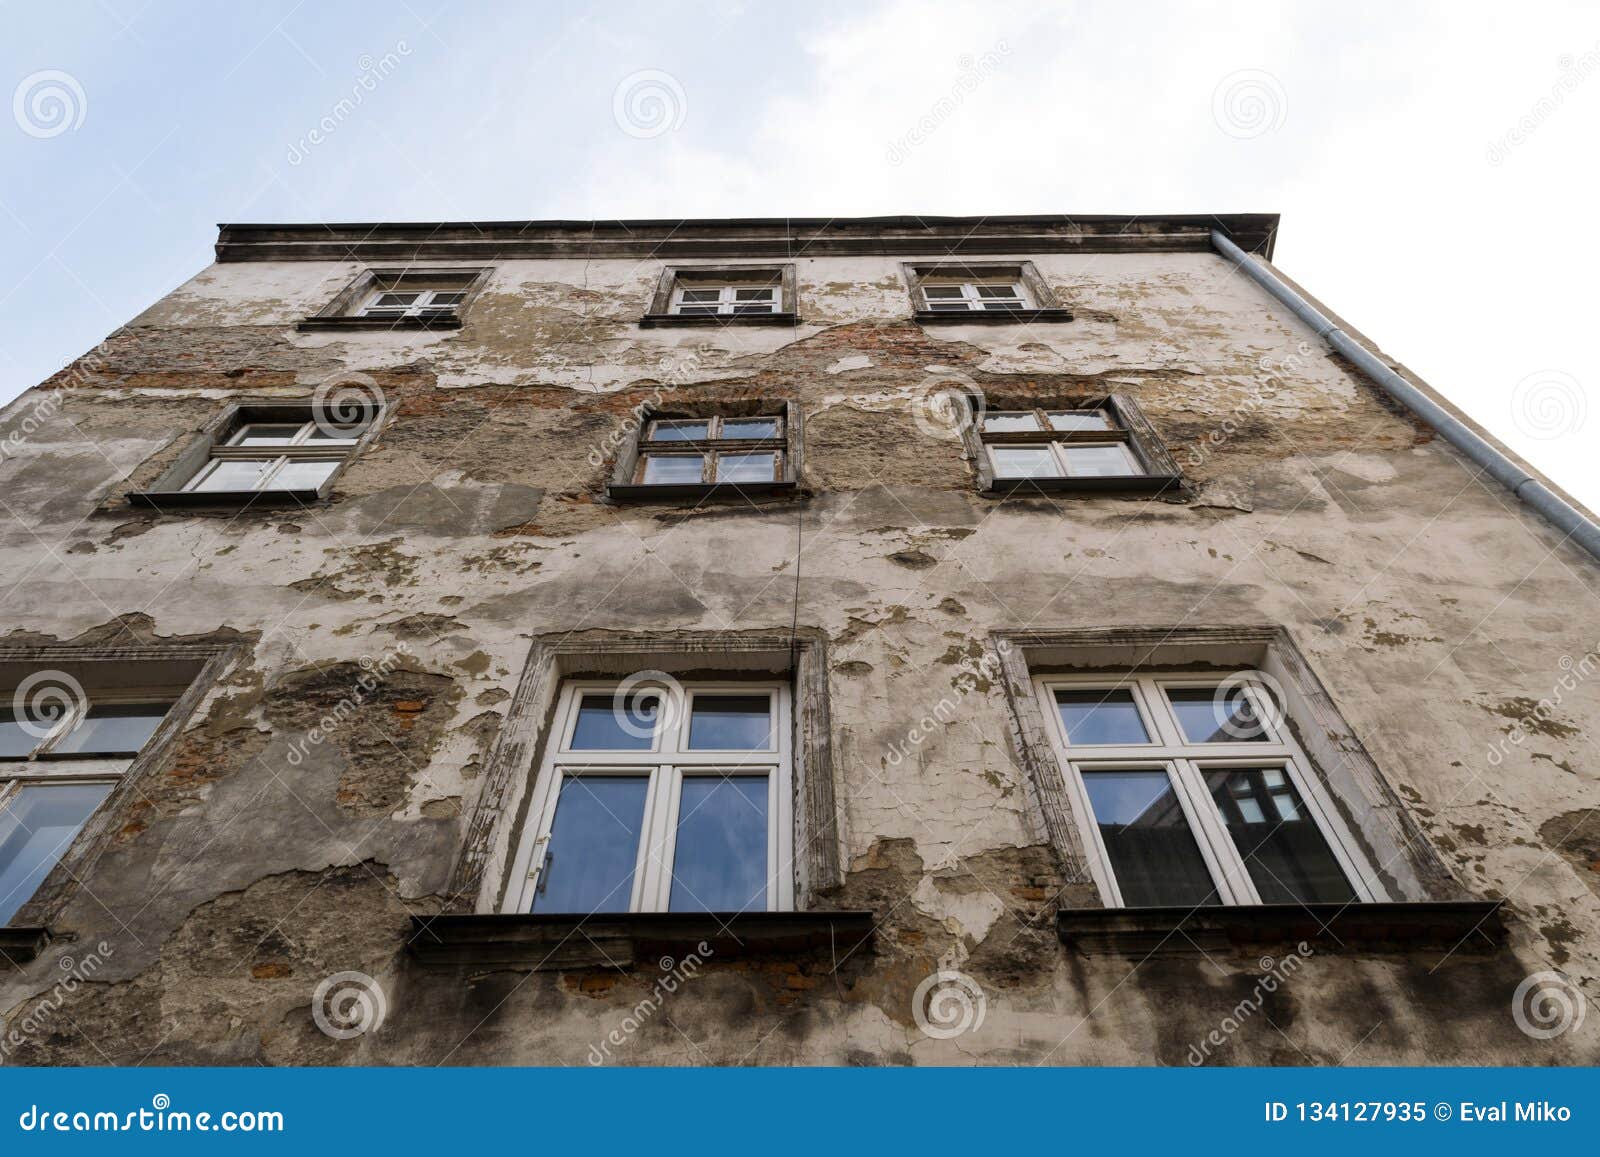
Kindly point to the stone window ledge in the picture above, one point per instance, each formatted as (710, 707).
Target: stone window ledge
(377, 323)
(698, 491)
(988, 316)
(1122, 484)
(224, 499)
(657, 319)
(20, 944)
(1472, 924)
(545, 942)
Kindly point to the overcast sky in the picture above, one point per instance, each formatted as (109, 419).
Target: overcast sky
(1435, 165)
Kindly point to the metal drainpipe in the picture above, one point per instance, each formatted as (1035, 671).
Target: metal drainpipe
(1536, 494)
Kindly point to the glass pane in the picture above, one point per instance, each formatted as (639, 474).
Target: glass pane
(337, 435)
(1100, 462)
(1101, 717)
(393, 299)
(661, 469)
(679, 431)
(1216, 714)
(606, 723)
(750, 427)
(942, 291)
(701, 295)
(747, 467)
(594, 845)
(731, 723)
(998, 291)
(237, 474)
(753, 307)
(1147, 837)
(697, 310)
(265, 434)
(1081, 420)
(948, 306)
(764, 294)
(1023, 462)
(303, 475)
(15, 739)
(445, 299)
(721, 859)
(35, 831)
(112, 729)
(1281, 845)
(1004, 421)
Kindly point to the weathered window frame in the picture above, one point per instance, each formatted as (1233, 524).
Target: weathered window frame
(183, 673)
(627, 477)
(667, 763)
(343, 312)
(673, 277)
(173, 488)
(484, 870)
(1400, 863)
(1184, 762)
(1042, 304)
(1161, 471)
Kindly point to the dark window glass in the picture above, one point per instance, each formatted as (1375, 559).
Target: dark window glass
(1281, 845)
(731, 723)
(1101, 717)
(606, 723)
(35, 830)
(1147, 836)
(721, 859)
(113, 730)
(594, 845)
(1216, 714)
(15, 739)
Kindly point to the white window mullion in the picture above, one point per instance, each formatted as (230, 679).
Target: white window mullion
(1216, 845)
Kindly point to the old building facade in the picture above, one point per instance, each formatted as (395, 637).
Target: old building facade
(1003, 640)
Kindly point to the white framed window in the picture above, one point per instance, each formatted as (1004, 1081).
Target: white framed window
(1065, 460)
(277, 456)
(943, 295)
(1190, 790)
(57, 767)
(697, 299)
(712, 450)
(397, 303)
(661, 798)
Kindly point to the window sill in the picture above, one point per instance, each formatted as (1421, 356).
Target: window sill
(656, 319)
(377, 323)
(1406, 926)
(988, 316)
(1125, 484)
(544, 942)
(20, 944)
(223, 499)
(697, 492)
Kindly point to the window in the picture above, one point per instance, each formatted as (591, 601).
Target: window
(408, 298)
(661, 798)
(59, 760)
(688, 457)
(277, 455)
(412, 302)
(1099, 444)
(955, 291)
(725, 294)
(1191, 791)
(944, 296)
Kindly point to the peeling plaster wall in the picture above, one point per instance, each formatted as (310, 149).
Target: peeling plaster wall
(256, 862)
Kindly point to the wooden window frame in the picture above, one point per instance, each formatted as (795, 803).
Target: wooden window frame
(667, 764)
(345, 311)
(662, 310)
(1040, 304)
(1185, 763)
(1130, 428)
(627, 481)
(215, 442)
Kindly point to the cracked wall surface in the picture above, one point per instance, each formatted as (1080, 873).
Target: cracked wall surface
(257, 859)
